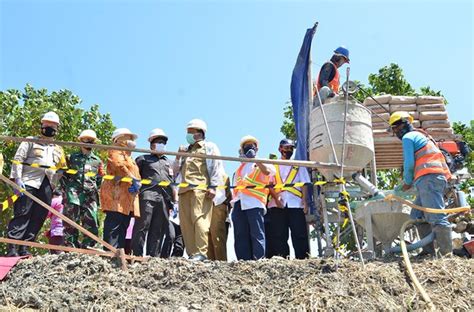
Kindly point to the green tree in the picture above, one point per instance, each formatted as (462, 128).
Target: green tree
(20, 115)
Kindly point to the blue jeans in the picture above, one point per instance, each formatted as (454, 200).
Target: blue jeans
(249, 233)
(430, 188)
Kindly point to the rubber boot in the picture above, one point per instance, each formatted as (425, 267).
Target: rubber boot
(23, 251)
(444, 239)
(11, 251)
(424, 230)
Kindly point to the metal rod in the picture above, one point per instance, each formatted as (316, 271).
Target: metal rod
(300, 163)
(370, 95)
(327, 127)
(343, 187)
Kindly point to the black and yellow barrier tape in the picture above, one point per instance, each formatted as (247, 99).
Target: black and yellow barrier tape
(150, 182)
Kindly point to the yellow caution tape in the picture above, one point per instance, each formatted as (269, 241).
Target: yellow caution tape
(109, 177)
(9, 201)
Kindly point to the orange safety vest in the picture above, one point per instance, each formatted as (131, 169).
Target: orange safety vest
(429, 159)
(255, 178)
(289, 180)
(334, 83)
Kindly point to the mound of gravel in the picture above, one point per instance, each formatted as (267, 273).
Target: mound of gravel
(80, 282)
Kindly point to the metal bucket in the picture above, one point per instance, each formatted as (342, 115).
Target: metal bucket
(359, 147)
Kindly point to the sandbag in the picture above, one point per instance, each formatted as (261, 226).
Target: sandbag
(428, 99)
(399, 99)
(433, 116)
(415, 115)
(383, 108)
(383, 117)
(434, 131)
(380, 125)
(416, 123)
(381, 99)
(402, 108)
(381, 133)
(436, 124)
(431, 107)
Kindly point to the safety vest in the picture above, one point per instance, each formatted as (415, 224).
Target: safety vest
(289, 180)
(428, 160)
(334, 83)
(254, 178)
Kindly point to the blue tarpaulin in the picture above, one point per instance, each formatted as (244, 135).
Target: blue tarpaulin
(300, 91)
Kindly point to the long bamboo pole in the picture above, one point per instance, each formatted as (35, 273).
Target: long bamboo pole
(93, 252)
(300, 163)
(59, 215)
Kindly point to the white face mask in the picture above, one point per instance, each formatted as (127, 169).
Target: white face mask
(131, 144)
(160, 147)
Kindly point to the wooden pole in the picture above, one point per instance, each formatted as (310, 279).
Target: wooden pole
(93, 252)
(59, 215)
(300, 163)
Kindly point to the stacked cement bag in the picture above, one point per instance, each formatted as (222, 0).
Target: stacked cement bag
(429, 113)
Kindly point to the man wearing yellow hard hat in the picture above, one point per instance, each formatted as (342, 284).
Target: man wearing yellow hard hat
(249, 203)
(424, 167)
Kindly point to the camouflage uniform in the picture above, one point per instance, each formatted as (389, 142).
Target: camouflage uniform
(82, 197)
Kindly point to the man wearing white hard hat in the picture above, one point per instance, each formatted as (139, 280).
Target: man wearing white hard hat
(195, 204)
(82, 191)
(28, 216)
(249, 203)
(118, 199)
(155, 201)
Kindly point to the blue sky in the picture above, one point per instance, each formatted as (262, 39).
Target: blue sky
(161, 63)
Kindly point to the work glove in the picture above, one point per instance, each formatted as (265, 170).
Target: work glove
(20, 183)
(398, 190)
(135, 187)
(175, 210)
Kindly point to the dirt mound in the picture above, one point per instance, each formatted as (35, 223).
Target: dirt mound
(79, 282)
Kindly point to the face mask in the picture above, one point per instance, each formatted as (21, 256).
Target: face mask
(131, 144)
(48, 132)
(406, 128)
(190, 138)
(159, 147)
(287, 154)
(250, 152)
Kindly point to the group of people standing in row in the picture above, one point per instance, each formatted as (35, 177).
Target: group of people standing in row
(160, 220)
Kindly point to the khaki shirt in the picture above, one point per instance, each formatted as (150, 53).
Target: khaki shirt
(193, 169)
(1, 163)
(41, 154)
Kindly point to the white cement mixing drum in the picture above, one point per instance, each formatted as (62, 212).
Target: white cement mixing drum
(359, 147)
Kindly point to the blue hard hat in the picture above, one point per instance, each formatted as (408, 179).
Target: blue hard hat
(286, 142)
(343, 52)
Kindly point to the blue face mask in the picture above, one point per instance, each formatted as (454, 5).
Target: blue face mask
(190, 138)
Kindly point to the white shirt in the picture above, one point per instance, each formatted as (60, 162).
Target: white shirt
(288, 199)
(249, 202)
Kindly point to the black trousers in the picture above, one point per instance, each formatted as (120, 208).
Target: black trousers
(28, 216)
(173, 244)
(277, 223)
(115, 228)
(151, 226)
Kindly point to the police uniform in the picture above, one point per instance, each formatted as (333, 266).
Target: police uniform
(29, 216)
(82, 197)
